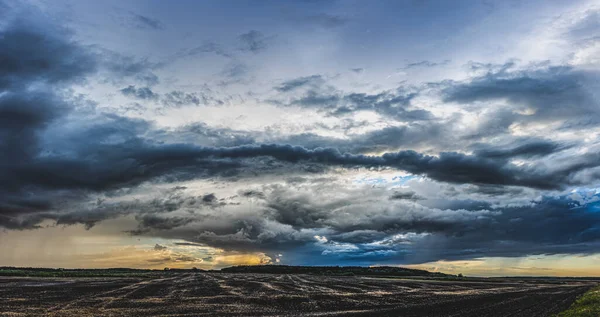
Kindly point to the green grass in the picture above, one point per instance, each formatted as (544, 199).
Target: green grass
(586, 305)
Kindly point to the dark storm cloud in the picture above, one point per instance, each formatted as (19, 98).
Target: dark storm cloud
(23, 115)
(382, 140)
(88, 217)
(150, 214)
(109, 153)
(101, 167)
(297, 212)
(494, 190)
(405, 231)
(448, 167)
(154, 222)
(209, 198)
(29, 55)
(36, 62)
(525, 148)
(554, 93)
(35, 177)
(57, 157)
(391, 138)
(551, 226)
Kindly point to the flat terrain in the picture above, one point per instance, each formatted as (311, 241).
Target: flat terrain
(587, 305)
(228, 294)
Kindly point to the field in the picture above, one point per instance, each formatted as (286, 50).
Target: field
(251, 294)
(587, 305)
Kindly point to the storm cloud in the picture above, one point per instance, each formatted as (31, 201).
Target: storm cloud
(298, 141)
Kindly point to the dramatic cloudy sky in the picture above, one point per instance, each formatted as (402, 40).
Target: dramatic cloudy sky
(459, 136)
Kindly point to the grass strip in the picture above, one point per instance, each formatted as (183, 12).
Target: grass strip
(584, 306)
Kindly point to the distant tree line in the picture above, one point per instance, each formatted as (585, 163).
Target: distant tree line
(332, 270)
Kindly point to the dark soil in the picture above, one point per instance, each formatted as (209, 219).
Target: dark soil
(228, 294)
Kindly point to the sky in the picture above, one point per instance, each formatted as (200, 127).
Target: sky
(452, 136)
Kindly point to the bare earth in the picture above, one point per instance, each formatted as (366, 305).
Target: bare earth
(219, 294)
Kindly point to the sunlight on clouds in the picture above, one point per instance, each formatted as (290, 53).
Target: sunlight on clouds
(386, 178)
(135, 257)
(139, 258)
(542, 265)
(240, 259)
(100, 247)
(529, 129)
